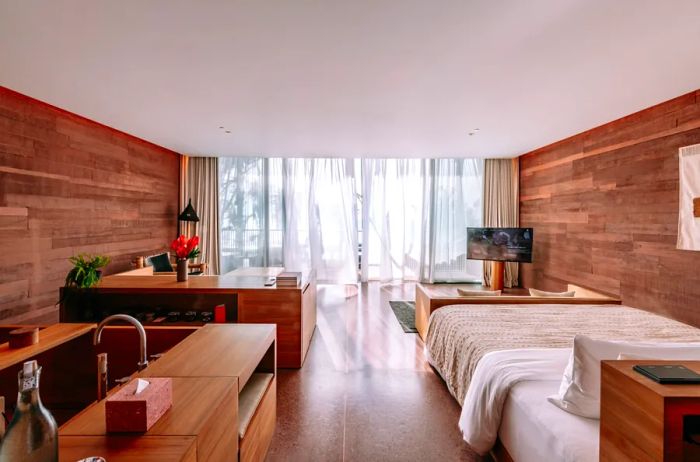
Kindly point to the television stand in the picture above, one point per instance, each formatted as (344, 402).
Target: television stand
(497, 275)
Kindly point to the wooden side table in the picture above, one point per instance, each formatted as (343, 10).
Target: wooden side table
(641, 419)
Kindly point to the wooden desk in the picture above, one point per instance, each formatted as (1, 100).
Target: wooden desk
(430, 297)
(292, 309)
(265, 271)
(643, 420)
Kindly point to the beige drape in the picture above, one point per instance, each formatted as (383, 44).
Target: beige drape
(199, 181)
(501, 183)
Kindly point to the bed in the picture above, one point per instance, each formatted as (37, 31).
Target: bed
(533, 430)
(500, 362)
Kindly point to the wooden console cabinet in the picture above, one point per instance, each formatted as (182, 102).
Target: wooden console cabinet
(644, 420)
(246, 297)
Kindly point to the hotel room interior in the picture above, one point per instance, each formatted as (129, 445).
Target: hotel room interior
(370, 230)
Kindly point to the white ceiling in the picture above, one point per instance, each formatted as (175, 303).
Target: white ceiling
(352, 78)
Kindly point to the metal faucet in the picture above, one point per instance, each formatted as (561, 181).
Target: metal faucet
(102, 358)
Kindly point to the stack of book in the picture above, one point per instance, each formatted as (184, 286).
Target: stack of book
(288, 279)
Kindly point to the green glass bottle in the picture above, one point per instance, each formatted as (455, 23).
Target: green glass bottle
(32, 435)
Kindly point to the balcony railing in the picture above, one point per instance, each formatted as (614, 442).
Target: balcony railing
(249, 242)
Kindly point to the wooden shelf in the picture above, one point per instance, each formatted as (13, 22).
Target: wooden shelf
(49, 338)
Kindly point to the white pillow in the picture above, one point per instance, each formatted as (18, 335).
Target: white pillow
(579, 392)
(543, 293)
(478, 293)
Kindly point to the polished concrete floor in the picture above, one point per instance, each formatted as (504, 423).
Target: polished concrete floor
(366, 391)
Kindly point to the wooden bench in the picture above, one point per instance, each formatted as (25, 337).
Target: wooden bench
(430, 297)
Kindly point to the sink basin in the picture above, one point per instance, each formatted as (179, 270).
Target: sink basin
(121, 343)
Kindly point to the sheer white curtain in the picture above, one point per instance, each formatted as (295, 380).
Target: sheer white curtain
(304, 213)
(415, 213)
(393, 218)
(456, 203)
(321, 227)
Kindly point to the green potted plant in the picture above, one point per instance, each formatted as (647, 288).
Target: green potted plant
(86, 270)
(76, 298)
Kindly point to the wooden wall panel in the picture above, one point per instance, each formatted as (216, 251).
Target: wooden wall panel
(604, 205)
(70, 185)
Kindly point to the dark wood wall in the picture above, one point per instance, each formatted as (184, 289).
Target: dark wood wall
(70, 185)
(604, 205)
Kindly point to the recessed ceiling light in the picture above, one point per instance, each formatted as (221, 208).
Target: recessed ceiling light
(228, 131)
(221, 128)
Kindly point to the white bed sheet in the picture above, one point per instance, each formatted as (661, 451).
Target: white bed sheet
(534, 430)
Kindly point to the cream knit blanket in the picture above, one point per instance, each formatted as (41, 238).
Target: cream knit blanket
(460, 335)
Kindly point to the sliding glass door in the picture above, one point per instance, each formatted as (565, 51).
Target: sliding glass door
(456, 204)
(369, 219)
(415, 215)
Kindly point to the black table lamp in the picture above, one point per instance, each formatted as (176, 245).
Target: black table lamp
(188, 215)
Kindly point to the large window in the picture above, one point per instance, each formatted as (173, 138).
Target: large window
(251, 212)
(370, 219)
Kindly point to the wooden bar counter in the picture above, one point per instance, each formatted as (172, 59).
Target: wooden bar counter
(245, 295)
(210, 369)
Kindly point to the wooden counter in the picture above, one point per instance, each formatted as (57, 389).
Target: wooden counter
(219, 350)
(49, 337)
(129, 448)
(194, 284)
(247, 299)
(209, 368)
(203, 408)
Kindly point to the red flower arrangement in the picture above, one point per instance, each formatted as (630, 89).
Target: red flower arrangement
(186, 249)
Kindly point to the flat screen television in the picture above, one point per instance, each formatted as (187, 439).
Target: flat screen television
(500, 244)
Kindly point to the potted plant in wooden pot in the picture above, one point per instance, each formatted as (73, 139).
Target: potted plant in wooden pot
(185, 250)
(76, 297)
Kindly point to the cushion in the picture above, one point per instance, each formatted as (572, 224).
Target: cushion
(543, 293)
(478, 293)
(249, 399)
(161, 263)
(579, 392)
